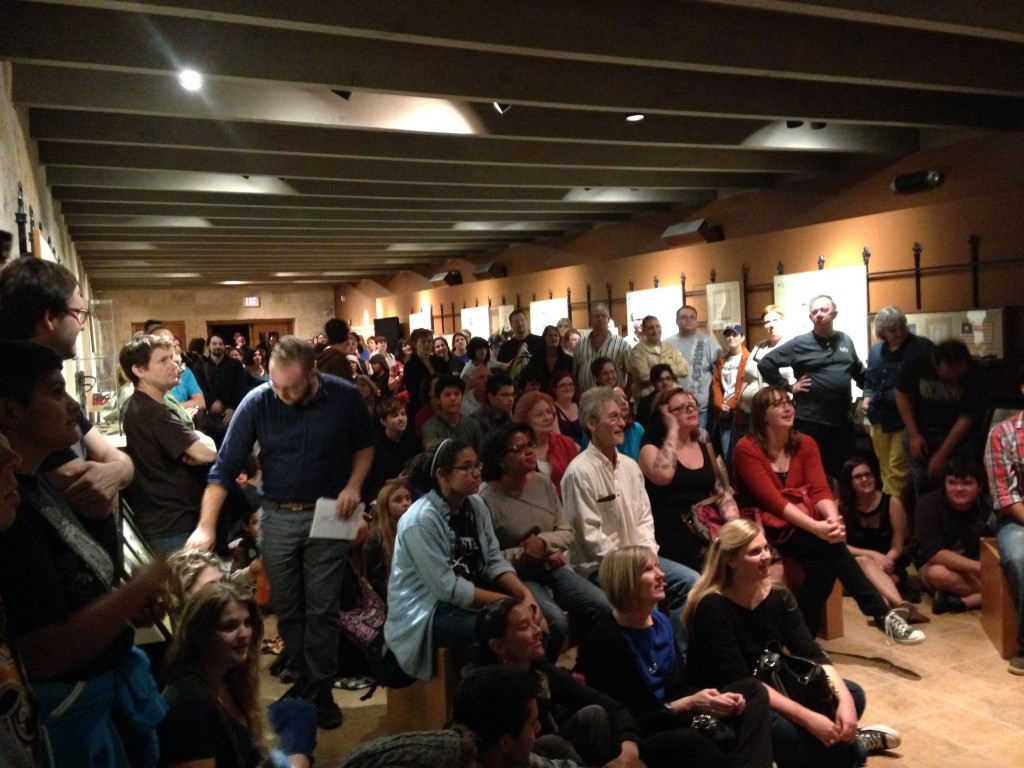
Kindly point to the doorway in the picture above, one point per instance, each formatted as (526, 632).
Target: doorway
(256, 332)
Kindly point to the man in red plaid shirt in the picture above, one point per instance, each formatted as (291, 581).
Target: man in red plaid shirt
(1004, 461)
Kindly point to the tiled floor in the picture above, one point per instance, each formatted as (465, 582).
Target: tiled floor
(966, 711)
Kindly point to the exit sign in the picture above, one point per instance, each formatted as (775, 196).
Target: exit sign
(251, 301)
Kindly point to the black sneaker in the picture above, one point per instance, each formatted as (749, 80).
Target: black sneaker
(328, 713)
(297, 691)
(946, 602)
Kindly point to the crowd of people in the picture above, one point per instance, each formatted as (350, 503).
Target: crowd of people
(501, 496)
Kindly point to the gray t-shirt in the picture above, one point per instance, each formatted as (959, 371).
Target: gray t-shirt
(701, 352)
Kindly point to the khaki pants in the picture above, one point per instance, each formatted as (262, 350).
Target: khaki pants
(893, 460)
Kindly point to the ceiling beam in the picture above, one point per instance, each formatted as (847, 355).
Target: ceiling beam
(108, 39)
(679, 35)
(163, 132)
(441, 173)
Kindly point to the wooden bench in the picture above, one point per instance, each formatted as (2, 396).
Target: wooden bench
(424, 705)
(832, 619)
(998, 612)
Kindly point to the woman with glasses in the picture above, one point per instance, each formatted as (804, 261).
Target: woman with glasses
(447, 562)
(679, 471)
(876, 532)
(779, 472)
(567, 404)
(533, 532)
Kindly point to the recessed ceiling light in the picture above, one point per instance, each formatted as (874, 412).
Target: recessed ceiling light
(234, 282)
(294, 274)
(190, 80)
(635, 118)
(182, 275)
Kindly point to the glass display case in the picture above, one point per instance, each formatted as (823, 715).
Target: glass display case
(96, 375)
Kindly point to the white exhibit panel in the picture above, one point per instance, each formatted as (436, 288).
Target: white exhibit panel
(420, 320)
(848, 288)
(477, 320)
(725, 307)
(504, 310)
(663, 303)
(545, 313)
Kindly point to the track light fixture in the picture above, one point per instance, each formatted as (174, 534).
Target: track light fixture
(500, 108)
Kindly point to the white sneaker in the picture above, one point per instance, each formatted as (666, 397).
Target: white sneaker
(877, 738)
(896, 627)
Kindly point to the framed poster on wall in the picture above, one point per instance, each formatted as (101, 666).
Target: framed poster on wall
(663, 303)
(504, 310)
(545, 313)
(420, 320)
(477, 320)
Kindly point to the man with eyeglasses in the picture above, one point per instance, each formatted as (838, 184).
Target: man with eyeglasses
(170, 457)
(41, 301)
(316, 442)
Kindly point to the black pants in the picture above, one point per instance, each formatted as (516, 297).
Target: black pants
(837, 443)
(823, 563)
(687, 746)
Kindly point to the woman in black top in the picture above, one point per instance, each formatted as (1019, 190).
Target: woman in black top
(679, 472)
(732, 613)
(215, 717)
(876, 530)
(418, 368)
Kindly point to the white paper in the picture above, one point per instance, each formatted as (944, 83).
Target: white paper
(326, 524)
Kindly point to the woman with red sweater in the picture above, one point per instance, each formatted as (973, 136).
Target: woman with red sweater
(779, 471)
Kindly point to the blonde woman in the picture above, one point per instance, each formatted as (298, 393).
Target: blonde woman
(733, 612)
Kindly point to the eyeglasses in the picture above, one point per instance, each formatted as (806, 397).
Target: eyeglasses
(863, 476)
(521, 448)
(688, 408)
(566, 385)
(81, 315)
(468, 468)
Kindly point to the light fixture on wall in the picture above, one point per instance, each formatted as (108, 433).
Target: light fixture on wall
(488, 270)
(917, 181)
(695, 231)
(817, 125)
(451, 277)
(794, 123)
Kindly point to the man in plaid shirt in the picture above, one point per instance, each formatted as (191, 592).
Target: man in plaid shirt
(1004, 461)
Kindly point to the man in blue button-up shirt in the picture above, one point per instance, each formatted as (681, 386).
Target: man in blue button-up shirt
(316, 440)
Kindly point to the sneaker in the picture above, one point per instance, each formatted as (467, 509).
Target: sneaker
(877, 738)
(328, 713)
(296, 691)
(896, 627)
(1017, 664)
(945, 602)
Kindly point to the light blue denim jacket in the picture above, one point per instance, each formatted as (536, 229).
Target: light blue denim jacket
(422, 577)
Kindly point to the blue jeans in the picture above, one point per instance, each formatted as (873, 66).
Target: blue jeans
(306, 577)
(1010, 536)
(795, 747)
(584, 601)
(679, 580)
(453, 627)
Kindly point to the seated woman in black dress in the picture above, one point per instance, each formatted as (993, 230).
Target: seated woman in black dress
(632, 656)
(876, 531)
(732, 614)
(679, 471)
(215, 717)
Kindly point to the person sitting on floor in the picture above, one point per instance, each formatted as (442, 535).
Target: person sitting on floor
(215, 715)
(876, 531)
(950, 523)
(577, 722)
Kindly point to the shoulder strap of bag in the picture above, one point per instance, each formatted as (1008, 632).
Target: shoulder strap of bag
(723, 479)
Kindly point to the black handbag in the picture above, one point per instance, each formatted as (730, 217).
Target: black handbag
(799, 679)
